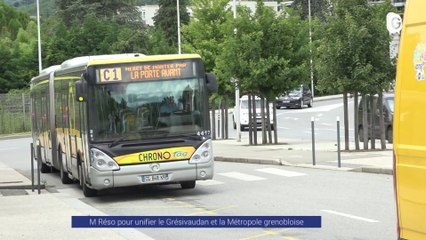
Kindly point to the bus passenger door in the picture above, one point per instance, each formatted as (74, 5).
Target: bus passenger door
(45, 133)
(66, 127)
(74, 129)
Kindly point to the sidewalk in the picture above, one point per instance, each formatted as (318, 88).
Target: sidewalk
(28, 215)
(299, 154)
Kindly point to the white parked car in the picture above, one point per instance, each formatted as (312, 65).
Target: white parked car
(244, 113)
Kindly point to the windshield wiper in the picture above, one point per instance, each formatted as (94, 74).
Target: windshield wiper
(118, 141)
(190, 136)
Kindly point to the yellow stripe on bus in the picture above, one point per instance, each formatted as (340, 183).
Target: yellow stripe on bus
(56, 79)
(158, 155)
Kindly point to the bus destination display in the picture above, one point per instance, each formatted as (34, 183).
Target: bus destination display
(146, 71)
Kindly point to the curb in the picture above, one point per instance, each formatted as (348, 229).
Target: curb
(14, 136)
(324, 98)
(376, 170)
(23, 187)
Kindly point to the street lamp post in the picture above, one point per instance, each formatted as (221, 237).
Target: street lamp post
(178, 25)
(237, 88)
(310, 48)
(40, 68)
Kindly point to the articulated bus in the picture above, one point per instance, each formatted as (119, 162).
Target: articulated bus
(121, 120)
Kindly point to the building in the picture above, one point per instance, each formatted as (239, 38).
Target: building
(149, 11)
(400, 4)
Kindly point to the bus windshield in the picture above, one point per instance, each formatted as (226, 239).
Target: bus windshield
(148, 109)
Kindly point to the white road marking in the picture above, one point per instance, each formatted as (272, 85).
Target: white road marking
(86, 209)
(291, 118)
(209, 182)
(8, 149)
(325, 108)
(351, 216)
(241, 176)
(280, 172)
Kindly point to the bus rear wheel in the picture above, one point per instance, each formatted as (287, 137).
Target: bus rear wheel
(45, 168)
(187, 185)
(65, 179)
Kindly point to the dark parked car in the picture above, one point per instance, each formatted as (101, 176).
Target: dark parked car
(296, 98)
(388, 107)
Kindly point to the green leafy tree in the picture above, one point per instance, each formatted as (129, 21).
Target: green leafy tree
(11, 21)
(268, 54)
(121, 11)
(206, 33)
(319, 8)
(18, 46)
(166, 19)
(355, 51)
(91, 37)
(157, 42)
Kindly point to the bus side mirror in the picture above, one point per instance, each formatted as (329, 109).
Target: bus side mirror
(81, 91)
(211, 82)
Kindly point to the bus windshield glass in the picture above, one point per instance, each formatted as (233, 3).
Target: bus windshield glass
(147, 109)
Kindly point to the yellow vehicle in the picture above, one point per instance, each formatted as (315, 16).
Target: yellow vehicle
(409, 125)
(122, 120)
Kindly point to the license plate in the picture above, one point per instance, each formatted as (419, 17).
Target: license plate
(155, 178)
(286, 101)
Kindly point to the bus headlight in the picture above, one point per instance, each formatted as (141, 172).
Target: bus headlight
(101, 161)
(203, 154)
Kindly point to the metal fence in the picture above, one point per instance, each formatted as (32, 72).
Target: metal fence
(15, 113)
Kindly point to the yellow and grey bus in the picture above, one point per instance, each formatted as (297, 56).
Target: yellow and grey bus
(121, 120)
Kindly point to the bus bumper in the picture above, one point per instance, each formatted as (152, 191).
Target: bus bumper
(165, 173)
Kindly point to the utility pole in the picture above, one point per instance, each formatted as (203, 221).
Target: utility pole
(237, 88)
(40, 68)
(178, 25)
(310, 48)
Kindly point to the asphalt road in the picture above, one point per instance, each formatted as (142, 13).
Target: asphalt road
(296, 123)
(352, 205)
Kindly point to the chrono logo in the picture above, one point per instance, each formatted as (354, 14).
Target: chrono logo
(154, 156)
(157, 155)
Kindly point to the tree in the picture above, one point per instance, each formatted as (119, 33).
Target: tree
(11, 21)
(268, 54)
(120, 11)
(18, 48)
(166, 19)
(91, 37)
(355, 51)
(319, 8)
(204, 35)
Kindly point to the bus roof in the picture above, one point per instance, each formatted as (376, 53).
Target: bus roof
(44, 74)
(85, 61)
(143, 58)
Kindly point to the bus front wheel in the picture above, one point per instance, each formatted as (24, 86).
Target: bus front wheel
(88, 192)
